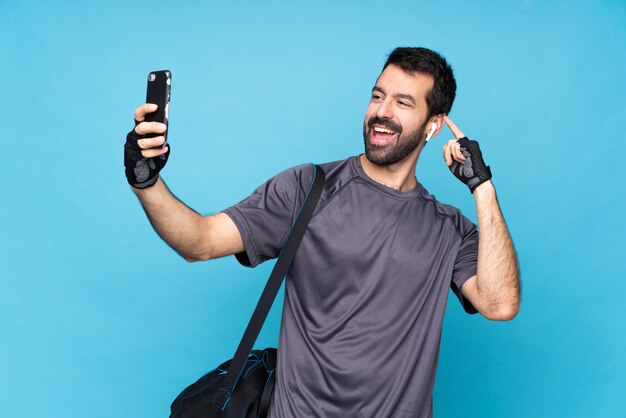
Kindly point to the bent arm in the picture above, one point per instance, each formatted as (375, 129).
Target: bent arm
(193, 236)
(495, 290)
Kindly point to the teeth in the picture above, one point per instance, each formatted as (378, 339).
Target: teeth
(383, 130)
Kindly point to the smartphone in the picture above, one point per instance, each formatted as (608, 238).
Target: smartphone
(158, 92)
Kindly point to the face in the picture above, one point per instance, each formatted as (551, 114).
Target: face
(395, 119)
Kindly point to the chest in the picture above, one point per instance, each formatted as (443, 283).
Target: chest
(361, 239)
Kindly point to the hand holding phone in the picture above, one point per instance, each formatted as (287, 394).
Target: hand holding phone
(146, 150)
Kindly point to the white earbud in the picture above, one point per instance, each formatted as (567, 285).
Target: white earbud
(433, 128)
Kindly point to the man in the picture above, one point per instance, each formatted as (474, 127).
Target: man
(366, 294)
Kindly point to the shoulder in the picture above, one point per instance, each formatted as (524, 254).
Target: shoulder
(291, 179)
(450, 213)
(301, 176)
(338, 174)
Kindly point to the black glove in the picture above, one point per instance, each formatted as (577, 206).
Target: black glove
(473, 172)
(141, 172)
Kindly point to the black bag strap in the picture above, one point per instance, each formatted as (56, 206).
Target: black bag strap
(285, 258)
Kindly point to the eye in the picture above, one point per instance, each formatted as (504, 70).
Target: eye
(404, 104)
(376, 97)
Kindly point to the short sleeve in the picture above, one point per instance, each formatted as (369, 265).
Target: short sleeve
(466, 261)
(265, 217)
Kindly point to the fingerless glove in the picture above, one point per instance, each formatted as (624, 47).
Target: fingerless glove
(473, 172)
(141, 172)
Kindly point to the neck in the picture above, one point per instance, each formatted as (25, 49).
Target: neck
(399, 176)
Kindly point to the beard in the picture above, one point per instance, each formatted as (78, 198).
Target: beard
(393, 152)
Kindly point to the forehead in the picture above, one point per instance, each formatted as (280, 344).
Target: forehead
(394, 80)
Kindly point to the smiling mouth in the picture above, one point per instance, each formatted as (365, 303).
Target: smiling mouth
(383, 130)
(381, 135)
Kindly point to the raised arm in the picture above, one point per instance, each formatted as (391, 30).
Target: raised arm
(496, 286)
(193, 236)
(495, 290)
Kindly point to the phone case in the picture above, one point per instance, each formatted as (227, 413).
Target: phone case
(158, 92)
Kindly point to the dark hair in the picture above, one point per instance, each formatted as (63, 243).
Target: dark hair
(421, 60)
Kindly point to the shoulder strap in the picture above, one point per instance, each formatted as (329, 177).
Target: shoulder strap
(285, 258)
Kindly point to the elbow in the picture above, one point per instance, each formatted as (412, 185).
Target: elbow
(504, 313)
(196, 245)
(194, 258)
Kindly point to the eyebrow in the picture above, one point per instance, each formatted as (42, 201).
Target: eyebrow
(400, 95)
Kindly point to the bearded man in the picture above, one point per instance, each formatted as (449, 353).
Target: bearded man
(366, 294)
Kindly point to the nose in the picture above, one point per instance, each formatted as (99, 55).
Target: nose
(384, 110)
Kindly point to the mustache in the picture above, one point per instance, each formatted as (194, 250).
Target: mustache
(387, 123)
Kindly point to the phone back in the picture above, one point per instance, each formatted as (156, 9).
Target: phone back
(158, 92)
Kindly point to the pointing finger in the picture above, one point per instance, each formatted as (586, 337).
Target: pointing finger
(458, 134)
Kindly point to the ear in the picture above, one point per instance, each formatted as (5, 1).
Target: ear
(438, 120)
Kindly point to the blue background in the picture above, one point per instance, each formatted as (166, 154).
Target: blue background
(100, 318)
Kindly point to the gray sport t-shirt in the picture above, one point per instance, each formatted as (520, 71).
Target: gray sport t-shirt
(366, 294)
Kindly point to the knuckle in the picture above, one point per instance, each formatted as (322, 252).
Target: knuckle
(147, 143)
(141, 111)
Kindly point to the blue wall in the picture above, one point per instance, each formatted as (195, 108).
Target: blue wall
(99, 318)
